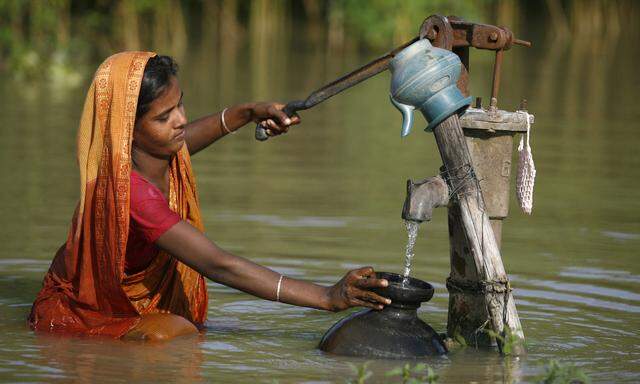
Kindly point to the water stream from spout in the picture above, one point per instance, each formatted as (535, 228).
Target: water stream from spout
(412, 235)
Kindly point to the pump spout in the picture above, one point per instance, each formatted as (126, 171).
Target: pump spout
(423, 196)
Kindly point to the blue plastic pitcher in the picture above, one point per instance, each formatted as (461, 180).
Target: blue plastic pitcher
(424, 77)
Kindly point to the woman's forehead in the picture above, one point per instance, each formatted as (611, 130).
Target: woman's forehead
(169, 97)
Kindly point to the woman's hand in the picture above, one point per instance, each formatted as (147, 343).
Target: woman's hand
(272, 118)
(353, 290)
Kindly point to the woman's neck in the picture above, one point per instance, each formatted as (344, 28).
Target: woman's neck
(154, 169)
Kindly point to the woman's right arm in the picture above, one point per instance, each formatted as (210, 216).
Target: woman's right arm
(193, 248)
(204, 131)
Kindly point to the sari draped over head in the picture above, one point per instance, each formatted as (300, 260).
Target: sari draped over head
(86, 290)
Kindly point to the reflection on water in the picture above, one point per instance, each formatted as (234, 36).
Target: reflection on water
(328, 197)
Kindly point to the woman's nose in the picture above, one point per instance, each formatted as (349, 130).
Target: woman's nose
(181, 118)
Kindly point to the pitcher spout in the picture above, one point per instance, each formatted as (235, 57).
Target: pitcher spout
(407, 116)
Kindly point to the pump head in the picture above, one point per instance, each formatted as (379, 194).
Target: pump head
(424, 77)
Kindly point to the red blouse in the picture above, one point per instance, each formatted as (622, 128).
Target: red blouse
(151, 217)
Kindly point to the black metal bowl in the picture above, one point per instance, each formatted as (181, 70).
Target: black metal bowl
(404, 290)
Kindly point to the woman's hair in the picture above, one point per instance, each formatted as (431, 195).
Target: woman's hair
(155, 80)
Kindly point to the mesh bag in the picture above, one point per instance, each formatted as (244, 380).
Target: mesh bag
(526, 172)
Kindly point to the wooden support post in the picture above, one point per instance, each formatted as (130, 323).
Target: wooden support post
(480, 295)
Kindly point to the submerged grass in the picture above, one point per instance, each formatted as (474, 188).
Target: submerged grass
(555, 372)
(563, 373)
(362, 373)
(508, 342)
(420, 373)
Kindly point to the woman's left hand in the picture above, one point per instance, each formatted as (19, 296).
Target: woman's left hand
(353, 290)
(272, 118)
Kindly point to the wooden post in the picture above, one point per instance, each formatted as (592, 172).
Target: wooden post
(480, 295)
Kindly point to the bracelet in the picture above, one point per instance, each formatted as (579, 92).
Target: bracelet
(278, 289)
(224, 123)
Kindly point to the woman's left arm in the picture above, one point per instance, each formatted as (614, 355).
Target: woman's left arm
(194, 249)
(202, 132)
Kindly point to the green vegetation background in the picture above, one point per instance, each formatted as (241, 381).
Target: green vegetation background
(62, 39)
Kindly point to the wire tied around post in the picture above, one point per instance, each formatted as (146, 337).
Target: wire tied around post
(482, 287)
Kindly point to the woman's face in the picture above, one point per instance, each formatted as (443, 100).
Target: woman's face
(160, 131)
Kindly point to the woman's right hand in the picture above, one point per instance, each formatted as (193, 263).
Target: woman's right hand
(272, 117)
(353, 290)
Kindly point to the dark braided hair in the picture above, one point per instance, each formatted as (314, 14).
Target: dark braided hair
(155, 80)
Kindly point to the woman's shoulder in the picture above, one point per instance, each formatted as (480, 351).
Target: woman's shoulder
(143, 190)
(149, 210)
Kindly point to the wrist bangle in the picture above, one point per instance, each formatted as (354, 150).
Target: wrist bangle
(278, 289)
(224, 123)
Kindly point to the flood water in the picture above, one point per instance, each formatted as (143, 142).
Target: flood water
(327, 198)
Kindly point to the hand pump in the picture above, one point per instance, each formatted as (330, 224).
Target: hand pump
(480, 297)
(437, 84)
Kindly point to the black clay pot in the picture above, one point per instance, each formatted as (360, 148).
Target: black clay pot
(396, 332)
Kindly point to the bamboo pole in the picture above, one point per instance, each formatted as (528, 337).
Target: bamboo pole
(480, 295)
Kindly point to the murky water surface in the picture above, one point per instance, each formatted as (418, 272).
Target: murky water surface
(327, 198)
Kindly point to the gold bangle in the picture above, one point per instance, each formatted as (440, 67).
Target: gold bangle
(224, 123)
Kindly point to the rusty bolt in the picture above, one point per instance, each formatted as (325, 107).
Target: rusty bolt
(493, 36)
(493, 105)
(431, 34)
(523, 104)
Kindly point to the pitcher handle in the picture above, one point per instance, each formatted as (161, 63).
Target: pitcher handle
(407, 115)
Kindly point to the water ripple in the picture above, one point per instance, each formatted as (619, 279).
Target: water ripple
(586, 289)
(295, 222)
(600, 274)
(621, 235)
(588, 301)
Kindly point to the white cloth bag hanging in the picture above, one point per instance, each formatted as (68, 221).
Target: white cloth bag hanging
(526, 172)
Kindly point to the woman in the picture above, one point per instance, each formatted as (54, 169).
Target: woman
(135, 256)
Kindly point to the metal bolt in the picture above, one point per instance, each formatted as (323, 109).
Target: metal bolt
(478, 102)
(493, 36)
(522, 42)
(493, 105)
(523, 104)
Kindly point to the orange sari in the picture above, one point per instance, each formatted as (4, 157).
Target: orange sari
(86, 291)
